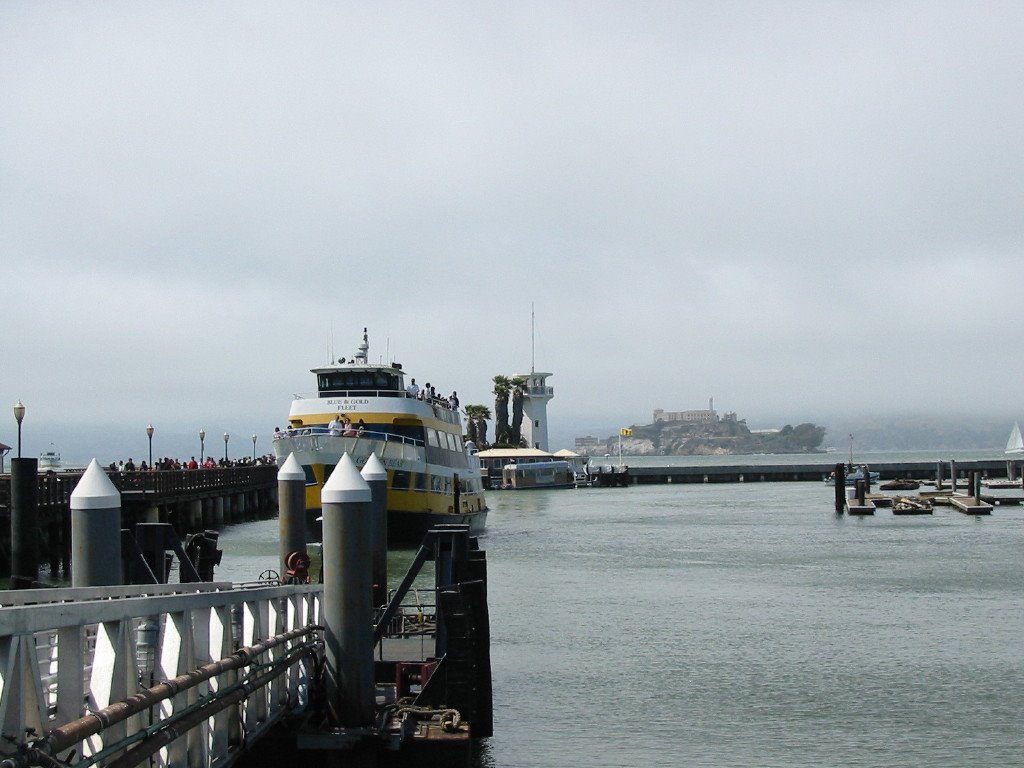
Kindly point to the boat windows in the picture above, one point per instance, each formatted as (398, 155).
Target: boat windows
(436, 483)
(400, 480)
(420, 478)
(432, 438)
(335, 382)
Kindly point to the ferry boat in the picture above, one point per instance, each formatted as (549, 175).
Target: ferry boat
(361, 408)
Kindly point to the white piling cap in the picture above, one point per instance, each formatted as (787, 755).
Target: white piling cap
(94, 490)
(373, 469)
(345, 485)
(291, 469)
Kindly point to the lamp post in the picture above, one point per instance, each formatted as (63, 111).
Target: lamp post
(202, 444)
(226, 436)
(253, 447)
(149, 434)
(19, 414)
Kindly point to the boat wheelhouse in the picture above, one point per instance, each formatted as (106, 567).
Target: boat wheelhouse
(360, 408)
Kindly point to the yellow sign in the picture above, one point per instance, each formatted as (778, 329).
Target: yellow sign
(625, 432)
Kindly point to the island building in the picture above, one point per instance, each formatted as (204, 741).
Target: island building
(588, 444)
(699, 416)
(535, 409)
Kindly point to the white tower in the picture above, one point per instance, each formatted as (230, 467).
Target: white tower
(535, 409)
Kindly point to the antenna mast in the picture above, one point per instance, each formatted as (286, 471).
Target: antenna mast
(533, 340)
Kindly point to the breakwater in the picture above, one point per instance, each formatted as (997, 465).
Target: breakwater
(741, 472)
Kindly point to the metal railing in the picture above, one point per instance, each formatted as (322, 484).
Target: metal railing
(114, 675)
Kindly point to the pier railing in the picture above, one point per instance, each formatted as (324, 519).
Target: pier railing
(55, 489)
(184, 674)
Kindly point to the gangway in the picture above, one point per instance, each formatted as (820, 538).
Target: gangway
(78, 670)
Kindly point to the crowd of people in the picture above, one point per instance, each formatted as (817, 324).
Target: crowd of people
(429, 394)
(167, 464)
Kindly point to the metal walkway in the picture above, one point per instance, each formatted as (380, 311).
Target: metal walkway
(183, 675)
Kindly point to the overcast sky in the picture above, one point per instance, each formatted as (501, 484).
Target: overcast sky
(802, 209)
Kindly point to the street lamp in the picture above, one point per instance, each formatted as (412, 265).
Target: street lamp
(149, 434)
(226, 436)
(253, 447)
(202, 444)
(19, 414)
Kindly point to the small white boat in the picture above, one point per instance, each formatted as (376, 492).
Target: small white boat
(49, 460)
(1015, 444)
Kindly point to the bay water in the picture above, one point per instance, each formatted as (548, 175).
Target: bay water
(740, 625)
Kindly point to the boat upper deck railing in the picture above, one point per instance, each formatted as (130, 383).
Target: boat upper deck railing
(366, 434)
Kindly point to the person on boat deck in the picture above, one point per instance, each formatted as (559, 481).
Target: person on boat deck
(129, 465)
(347, 429)
(360, 427)
(278, 434)
(413, 390)
(334, 428)
(453, 399)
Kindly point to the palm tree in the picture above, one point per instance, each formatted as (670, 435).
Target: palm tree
(476, 424)
(502, 386)
(518, 390)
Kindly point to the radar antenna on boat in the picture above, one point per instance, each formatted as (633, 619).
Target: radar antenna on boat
(362, 354)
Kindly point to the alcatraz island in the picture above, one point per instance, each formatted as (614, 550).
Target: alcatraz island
(703, 433)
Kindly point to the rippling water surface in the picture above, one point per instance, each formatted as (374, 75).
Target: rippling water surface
(742, 625)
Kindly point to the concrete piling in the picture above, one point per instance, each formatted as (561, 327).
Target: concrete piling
(348, 606)
(291, 518)
(377, 477)
(24, 528)
(95, 530)
(952, 474)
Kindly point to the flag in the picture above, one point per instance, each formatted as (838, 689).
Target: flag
(626, 432)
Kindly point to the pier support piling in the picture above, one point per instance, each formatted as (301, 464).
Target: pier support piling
(291, 518)
(377, 478)
(95, 530)
(840, 476)
(24, 527)
(952, 474)
(347, 599)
